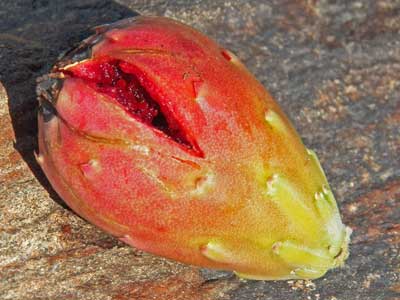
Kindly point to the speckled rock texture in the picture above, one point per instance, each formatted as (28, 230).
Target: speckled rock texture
(334, 66)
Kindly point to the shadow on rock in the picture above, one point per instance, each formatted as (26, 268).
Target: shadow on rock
(30, 43)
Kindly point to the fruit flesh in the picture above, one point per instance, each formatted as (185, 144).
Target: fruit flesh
(110, 77)
(117, 80)
(223, 181)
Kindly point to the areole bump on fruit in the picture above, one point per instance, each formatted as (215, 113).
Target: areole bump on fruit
(153, 132)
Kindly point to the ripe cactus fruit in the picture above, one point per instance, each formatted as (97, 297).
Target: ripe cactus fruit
(153, 132)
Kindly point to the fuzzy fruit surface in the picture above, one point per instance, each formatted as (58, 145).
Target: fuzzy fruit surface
(155, 133)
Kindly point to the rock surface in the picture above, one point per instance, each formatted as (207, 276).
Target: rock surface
(334, 66)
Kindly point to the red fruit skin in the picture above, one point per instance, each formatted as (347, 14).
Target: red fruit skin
(137, 183)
